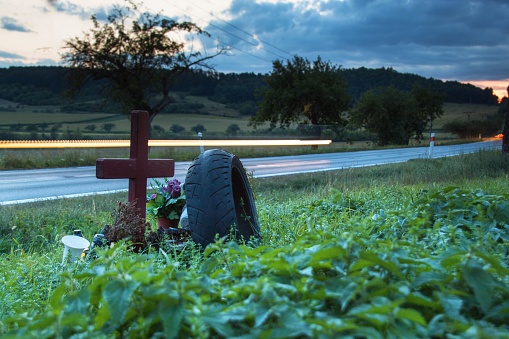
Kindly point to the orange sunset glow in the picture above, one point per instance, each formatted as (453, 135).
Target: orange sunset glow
(499, 86)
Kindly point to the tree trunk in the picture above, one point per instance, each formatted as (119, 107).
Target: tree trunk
(505, 139)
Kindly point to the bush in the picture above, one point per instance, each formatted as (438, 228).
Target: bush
(176, 128)
(233, 129)
(467, 130)
(108, 127)
(198, 128)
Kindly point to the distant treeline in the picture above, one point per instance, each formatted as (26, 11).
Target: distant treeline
(47, 86)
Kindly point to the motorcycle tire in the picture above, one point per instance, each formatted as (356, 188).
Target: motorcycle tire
(219, 199)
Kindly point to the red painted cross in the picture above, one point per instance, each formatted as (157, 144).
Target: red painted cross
(138, 168)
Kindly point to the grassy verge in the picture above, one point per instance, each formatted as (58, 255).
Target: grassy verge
(417, 249)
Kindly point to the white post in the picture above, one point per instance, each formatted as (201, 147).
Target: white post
(200, 135)
(431, 144)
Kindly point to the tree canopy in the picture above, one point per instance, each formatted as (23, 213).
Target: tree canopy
(395, 116)
(137, 54)
(303, 92)
(430, 105)
(46, 85)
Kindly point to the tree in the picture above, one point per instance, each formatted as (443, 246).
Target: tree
(31, 128)
(505, 138)
(54, 131)
(472, 129)
(430, 103)
(138, 56)
(198, 128)
(108, 127)
(394, 116)
(303, 92)
(176, 128)
(43, 126)
(232, 129)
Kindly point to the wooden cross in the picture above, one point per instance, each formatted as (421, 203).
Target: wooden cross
(138, 168)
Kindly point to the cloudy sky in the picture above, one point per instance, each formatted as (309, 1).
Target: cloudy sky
(459, 40)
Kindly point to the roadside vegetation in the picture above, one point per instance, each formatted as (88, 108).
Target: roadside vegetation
(416, 249)
(223, 125)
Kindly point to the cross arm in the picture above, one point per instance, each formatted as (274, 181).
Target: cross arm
(113, 168)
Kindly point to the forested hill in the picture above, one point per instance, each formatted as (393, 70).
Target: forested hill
(47, 85)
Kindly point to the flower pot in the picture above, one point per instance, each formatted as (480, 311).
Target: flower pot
(165, 223)
(73, 247)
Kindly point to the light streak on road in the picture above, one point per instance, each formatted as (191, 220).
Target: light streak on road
(29, 144)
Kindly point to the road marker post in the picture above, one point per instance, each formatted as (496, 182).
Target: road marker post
(431, 145)
(200, 137)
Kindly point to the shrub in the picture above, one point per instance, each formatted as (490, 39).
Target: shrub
(473, 129)
(233, 129)
(127, 225)
(176, 128)
(198, 128)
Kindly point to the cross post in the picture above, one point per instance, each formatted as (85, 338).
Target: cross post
(138, 168)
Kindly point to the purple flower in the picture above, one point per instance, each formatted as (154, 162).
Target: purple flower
(170, 186)
(177, 190)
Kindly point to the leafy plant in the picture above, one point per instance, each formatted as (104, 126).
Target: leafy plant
(127, 224)
(345, 254)
(166, 200)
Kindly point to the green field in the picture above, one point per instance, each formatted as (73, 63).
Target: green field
(215, 117)
(465, 112)
(74, 120)
(212, 123)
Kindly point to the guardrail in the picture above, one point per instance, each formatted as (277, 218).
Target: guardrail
(27, 144)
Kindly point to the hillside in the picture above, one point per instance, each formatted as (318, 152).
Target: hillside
(47, 86)
(33, 105)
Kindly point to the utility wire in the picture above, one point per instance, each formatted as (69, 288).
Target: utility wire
(242, 30)
(251, 43)
(236, 36)
(251, 54)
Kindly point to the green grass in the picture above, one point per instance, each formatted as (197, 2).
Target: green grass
(212, 123)
(417, 249)
(29, 117)
(465, 112)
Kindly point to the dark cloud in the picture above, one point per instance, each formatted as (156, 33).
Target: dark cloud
(11, 24)
(69, 8)
(454, 39)
(7, 55)
(77, 10)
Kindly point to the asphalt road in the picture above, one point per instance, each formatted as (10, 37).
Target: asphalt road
(21, 186)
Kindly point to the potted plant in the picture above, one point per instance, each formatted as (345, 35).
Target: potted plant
(165, 202)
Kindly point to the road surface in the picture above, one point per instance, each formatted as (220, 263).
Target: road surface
(21, 186)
